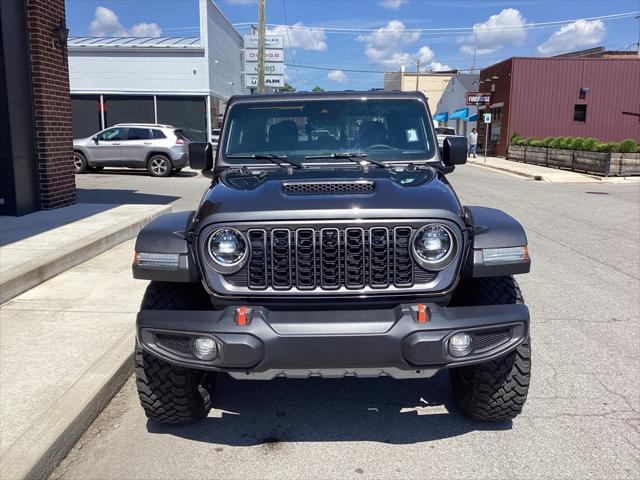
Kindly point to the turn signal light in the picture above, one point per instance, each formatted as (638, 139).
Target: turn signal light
(423, 313)
(241, 316)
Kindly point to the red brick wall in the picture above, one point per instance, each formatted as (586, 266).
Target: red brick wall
(52, 104)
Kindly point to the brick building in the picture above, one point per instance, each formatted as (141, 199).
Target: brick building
(36, 171)
(578, 96)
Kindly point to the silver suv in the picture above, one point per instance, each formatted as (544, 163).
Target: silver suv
(161, 149)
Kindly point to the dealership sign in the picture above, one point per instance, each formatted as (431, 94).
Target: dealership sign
(270, 68)
(275, 81)
(270, 41)
(478, 98)
(270, 55)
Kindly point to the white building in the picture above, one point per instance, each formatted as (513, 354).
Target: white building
(452, 110)
(182, 81)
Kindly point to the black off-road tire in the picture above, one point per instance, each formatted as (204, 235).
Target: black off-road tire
(168, 393)
(496, 390)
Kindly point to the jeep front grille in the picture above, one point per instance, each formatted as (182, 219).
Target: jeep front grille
(330, 258)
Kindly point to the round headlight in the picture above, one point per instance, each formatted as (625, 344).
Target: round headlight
(434, 247)
(228, 250)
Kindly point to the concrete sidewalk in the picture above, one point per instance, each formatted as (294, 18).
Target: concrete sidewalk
(545, 174)
(35, 247)
(66, 348)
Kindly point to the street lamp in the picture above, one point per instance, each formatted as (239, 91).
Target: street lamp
(417, 64)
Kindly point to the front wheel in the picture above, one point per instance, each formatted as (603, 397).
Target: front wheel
(168, 393)
(495, 390)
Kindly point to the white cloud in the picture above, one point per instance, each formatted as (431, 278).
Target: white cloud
(391, 4)
(438, 67)
(385, 45)
(504, 28)
(337, 76)
(388, 46)
(579, 34)
(306, 38)
(105, 23)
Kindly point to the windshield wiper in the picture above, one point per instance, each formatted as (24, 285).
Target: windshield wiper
(354, 157)
(269, 156)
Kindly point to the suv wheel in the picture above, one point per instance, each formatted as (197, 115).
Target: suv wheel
(80, 162)
(159, 166)
(496, 390)
(171, 394)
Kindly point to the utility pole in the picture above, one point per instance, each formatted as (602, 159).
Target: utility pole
(418, 75)
(261, 35)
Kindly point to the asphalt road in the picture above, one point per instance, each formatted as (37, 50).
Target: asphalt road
(582, 418)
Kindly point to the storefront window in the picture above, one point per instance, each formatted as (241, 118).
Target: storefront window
(189, 113)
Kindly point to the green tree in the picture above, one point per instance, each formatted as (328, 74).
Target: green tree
(288, 88)
(317, 89)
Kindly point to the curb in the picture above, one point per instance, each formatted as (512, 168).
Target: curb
(37, 452)
(20, 279)
(514, 172)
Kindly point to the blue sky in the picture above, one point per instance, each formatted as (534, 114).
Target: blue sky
(381, 34)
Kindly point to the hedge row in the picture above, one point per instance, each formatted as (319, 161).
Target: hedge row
(577, 143)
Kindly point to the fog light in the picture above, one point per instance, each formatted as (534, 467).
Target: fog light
(460, 344)
(205, 348)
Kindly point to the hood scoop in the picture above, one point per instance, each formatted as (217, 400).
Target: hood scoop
(329, 187)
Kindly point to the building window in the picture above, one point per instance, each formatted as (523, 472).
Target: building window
(580, 113)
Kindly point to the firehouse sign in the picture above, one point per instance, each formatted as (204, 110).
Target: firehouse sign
(477, 98)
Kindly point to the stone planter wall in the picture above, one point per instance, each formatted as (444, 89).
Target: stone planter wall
(598, 163)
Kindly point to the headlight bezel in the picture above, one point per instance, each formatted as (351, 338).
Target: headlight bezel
(222, 268)
(445, 261)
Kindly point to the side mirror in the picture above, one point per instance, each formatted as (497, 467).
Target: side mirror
(95, 139)
(201, 155)
(454, 151)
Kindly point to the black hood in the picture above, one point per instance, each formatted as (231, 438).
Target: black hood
(328, 194)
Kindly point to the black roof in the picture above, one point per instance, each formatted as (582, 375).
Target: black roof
(345, 94)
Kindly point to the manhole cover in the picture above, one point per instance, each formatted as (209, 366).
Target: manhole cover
(598, 193)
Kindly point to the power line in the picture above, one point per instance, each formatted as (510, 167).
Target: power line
(447, 30)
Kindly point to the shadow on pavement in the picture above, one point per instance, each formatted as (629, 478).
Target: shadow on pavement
(119, 197)
(14, 229)
(322, 410)
(140, 173)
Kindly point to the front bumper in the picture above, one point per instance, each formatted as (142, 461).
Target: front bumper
(286, 343)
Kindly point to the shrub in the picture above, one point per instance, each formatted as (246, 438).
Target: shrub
(515, 135)
(608, 147)
(547, 141)
(589, 144)
(566, 142)
(519, 141)
(556, 142)
(577, 144)
(536, 143)
(628, 146)
(528, 141)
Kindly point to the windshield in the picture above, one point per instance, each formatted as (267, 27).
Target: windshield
(387, 130)
(445, 131)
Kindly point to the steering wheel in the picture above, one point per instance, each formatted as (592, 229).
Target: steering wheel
(380, 146)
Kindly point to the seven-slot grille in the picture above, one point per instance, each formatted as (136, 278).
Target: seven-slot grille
(330, 258)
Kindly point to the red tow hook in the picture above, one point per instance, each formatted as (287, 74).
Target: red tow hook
(241, 316)
(423, 313)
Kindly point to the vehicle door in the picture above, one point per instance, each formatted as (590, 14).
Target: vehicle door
(106, 147)
(136, 146)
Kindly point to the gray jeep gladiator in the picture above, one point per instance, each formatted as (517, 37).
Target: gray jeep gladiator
(345, 253)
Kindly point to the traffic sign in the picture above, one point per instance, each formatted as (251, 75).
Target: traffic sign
(487, 117)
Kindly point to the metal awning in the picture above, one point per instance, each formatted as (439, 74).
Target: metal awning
(472, 118)
(460, 113)
(441, 117)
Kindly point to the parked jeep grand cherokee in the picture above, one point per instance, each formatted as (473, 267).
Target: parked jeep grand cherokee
(345, 254)
(161, 149)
